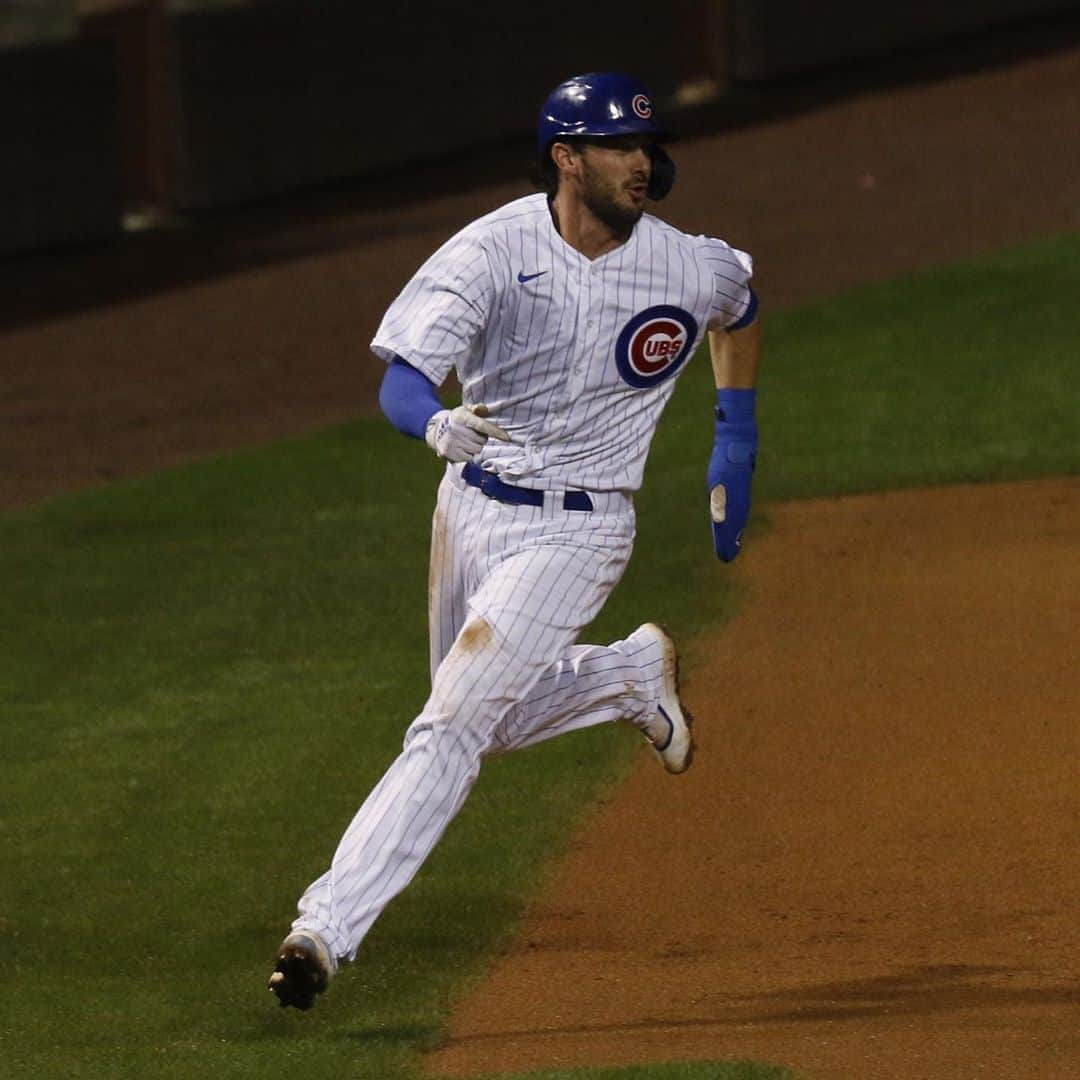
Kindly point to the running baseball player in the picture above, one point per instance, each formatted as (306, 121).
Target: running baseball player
(567, 316)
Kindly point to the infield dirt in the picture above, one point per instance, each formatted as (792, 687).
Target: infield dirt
(870, 871)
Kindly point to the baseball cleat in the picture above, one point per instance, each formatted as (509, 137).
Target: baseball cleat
(670, 731)
(302, 970)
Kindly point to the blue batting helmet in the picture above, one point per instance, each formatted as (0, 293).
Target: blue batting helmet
(604, 103)
(600, 103)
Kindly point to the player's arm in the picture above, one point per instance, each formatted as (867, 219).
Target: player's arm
(408, 398)
(736, 353)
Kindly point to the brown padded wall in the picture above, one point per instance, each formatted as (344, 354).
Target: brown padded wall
(772, 38)
(59, 172)
(288, 93)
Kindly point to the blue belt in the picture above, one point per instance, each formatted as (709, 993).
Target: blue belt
(494, 488)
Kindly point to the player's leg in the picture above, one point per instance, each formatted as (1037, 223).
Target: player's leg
(588, 685)
(595, 684)
(527, 613)
(635, 680)
(308, 957)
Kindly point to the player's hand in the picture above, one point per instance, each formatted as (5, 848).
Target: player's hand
(731, 470)
(729, 508)
(459, 434)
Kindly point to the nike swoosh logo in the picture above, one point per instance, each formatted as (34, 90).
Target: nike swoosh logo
(523, 277)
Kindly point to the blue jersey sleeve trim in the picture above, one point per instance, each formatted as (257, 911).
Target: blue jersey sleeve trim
(408, 398)
(748, 316)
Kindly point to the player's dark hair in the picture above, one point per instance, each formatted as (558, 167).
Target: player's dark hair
(544, 173)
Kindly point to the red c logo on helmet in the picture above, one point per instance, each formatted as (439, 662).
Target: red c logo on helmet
(642, 106)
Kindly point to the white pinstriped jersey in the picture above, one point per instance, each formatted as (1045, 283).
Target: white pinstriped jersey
(576, 359)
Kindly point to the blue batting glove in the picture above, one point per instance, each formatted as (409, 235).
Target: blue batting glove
(731, 469)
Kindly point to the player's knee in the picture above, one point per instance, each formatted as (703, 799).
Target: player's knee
(446, 736)
(475, 638)
(469, 692)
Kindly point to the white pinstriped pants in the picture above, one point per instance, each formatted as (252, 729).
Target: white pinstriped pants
(510, 589)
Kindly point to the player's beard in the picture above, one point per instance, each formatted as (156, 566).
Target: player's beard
(600, 195)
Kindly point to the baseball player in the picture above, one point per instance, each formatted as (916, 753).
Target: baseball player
(567, 316)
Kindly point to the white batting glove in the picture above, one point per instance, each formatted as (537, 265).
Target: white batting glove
(459, 434)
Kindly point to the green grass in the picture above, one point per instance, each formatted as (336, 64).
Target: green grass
(968, 373)
(202, 673)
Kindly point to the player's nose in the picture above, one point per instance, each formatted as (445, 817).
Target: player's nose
(640, 165)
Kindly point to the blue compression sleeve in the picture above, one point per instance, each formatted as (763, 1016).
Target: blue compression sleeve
(408, 398)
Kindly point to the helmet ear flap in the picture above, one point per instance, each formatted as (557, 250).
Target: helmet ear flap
(663, 174)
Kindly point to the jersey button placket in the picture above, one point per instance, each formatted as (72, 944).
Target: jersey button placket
(593, 322)
(575, 359)
(587, 327)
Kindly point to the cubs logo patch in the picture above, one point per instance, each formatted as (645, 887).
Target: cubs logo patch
(642, 106)
(654, 344)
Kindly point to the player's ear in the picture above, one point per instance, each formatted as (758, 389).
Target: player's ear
(565, 157)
